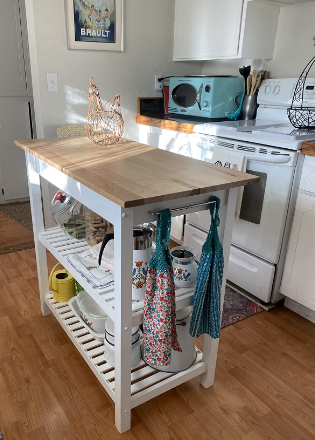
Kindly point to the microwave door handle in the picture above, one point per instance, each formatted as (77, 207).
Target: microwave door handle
(198, 96)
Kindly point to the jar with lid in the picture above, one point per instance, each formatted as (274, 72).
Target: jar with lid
(69, 214)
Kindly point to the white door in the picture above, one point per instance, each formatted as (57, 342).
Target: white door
(298, 280)
(207, 28)
(12, 70)
(14, 124)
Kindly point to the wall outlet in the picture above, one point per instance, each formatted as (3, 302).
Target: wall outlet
(52, 82)
(158, 84)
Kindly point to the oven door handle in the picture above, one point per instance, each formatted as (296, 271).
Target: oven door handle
(260, 158)
(281, 159)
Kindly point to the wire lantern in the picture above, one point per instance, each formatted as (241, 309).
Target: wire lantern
(300, 116)
(104, 124)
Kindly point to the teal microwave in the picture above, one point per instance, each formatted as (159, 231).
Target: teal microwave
(205, 96)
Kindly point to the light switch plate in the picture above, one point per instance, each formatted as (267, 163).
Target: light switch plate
(52, 82)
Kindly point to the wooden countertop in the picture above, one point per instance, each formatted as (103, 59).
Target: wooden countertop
(133, 174)
(308, 148)
(184, 127)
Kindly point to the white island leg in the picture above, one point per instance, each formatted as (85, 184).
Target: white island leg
(123, 317)
(38, 227)
(210, 345)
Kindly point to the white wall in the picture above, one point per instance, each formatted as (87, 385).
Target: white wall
(293, 50)
(149, 28)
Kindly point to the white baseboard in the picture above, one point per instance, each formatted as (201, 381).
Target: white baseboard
(300, 309)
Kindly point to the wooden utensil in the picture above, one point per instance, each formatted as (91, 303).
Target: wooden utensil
(249, 83)
(254, 79)
(257, 85)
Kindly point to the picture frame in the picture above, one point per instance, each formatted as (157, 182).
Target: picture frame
(95, 24)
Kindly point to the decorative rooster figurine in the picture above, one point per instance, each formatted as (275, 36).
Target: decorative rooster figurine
(104, 124)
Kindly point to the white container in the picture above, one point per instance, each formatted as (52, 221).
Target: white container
(141, 259)
(184, 266)
(110, 344)
(180, 360)
(91, 313)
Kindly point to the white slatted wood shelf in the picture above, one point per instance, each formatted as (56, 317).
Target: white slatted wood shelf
(146, 382)
(60, 244)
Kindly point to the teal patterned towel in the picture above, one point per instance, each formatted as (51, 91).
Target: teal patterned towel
(206, 314)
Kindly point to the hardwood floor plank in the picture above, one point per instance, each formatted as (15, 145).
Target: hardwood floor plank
(264, 387)
(183, 431)
(38, 434)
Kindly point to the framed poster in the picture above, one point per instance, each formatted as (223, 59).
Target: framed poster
(95, 24)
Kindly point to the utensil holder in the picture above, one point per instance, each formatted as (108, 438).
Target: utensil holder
(249, 108)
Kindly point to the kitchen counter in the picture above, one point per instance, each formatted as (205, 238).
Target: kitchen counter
(308, 148)
(165, 123)
(132, 174)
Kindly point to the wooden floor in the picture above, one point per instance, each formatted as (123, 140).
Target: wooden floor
(13, 233)
(264, 387)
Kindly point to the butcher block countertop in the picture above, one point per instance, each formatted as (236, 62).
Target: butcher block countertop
(166, 124)
(132, 174)
(308, 148)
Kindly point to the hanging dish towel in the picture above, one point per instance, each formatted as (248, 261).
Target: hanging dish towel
(206, 314)
(159, 321)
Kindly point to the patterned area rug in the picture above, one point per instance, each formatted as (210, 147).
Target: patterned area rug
(21, 213)
(237, 307)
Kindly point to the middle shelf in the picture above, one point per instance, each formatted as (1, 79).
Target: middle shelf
(60, 245)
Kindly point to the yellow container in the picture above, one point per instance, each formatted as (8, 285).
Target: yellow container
(62, 284)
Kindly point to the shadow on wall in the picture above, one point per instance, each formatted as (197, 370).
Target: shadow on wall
(76, 107)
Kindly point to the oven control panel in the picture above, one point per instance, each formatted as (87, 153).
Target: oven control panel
(279, 92)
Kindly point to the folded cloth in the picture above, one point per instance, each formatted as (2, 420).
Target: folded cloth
(86, 263)
(108, 254)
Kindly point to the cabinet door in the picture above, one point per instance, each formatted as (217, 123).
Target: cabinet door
(14, 124)
(12, 71)
(298, 280)
(205, 29)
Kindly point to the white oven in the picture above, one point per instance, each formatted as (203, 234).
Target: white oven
(258, 232)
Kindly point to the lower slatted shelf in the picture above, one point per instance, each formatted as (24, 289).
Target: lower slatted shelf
(146, 382)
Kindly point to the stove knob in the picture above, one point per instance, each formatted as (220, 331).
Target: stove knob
(205, 104)
(267, 89)
(276, 90)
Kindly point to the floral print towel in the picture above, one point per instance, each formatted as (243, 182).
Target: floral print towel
(159, 325)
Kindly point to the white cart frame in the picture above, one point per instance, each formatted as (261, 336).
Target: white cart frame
(127, 387)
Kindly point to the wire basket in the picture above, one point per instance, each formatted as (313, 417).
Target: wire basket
(300, 116)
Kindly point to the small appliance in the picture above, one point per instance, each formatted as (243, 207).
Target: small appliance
(204, 96)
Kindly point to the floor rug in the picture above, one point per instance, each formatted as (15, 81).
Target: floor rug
(16, 232)
(237, 307)
(19, 212)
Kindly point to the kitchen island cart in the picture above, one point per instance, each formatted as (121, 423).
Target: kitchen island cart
(125, 183)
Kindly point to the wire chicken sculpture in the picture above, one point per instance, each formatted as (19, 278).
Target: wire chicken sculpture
(104, 124)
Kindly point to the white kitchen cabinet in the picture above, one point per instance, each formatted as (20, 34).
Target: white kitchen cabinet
(298, 282)
(212, 29)
(12, 71)
(14, 124)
